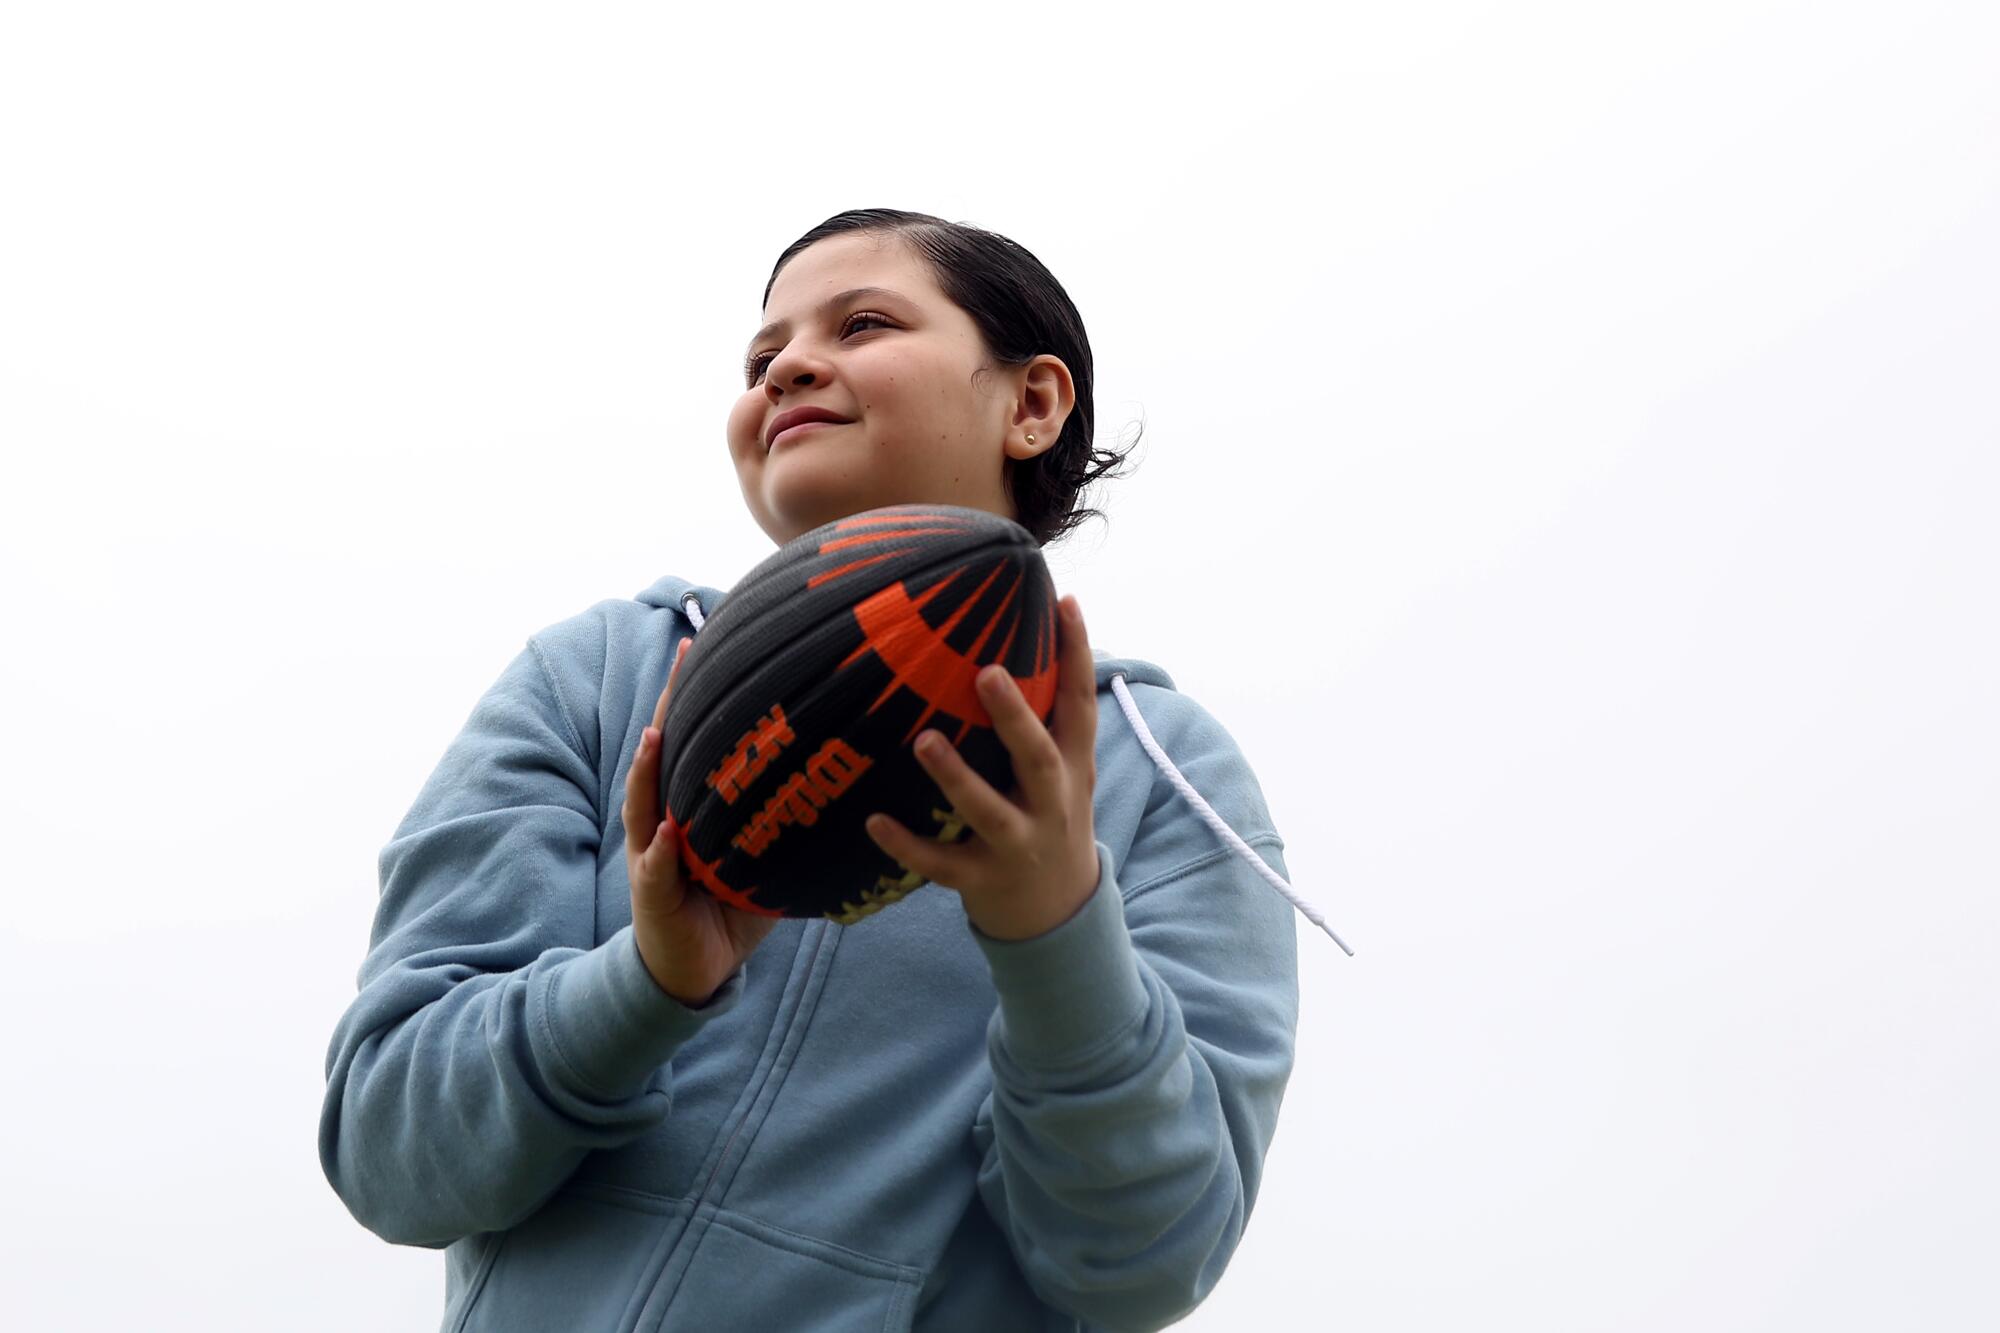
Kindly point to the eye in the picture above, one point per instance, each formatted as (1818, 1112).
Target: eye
(753, 369)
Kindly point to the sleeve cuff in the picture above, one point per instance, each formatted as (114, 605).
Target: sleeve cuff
(1068, 991)
(611, 1024)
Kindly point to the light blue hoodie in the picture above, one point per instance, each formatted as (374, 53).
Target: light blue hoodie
(896, 1124)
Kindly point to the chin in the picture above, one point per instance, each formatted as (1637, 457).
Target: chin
(785, 522)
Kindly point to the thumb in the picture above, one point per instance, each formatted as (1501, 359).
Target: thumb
(661, 866)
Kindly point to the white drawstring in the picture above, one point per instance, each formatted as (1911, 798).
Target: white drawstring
(1208, 815)
(1181, 785)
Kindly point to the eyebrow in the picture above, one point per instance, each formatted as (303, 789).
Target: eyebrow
(839, 298)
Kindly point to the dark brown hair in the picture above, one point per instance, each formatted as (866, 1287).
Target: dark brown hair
(1022, 312)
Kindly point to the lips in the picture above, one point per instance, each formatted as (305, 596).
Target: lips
(793, 432)
(798, 416)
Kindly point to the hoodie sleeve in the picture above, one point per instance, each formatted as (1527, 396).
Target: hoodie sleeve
(493, 1042)
(1140, 1051)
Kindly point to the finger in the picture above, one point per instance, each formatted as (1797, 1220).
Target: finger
(642, 783)
(642, 780)
(1038, 761)
(660, 708)
(1075, 717)
(934, 860)
(660, 869)
(988, 813)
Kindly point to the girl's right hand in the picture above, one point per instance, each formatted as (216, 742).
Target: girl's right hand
(690, 941)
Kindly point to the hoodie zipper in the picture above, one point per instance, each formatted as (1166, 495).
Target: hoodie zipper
(788, 1034)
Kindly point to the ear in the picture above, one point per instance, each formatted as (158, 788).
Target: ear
(1044, 395)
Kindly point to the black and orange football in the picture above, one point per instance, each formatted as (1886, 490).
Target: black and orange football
(794, 712)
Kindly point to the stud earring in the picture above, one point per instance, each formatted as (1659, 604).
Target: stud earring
(1031, 437)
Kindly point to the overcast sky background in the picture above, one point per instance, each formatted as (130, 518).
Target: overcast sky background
(1569, 472)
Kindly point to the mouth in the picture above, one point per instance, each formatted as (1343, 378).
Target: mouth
(793, 433)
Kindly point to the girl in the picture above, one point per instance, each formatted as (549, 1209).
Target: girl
(1035, 1094)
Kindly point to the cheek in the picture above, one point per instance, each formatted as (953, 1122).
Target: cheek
(743, 419)
(911, 388)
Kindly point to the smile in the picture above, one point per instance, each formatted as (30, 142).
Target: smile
(803, 428)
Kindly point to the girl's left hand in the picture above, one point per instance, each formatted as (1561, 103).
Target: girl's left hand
(1032, 860)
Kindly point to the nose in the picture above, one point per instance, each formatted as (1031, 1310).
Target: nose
(794, 367)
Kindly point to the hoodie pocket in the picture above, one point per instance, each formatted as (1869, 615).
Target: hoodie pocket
(747, 1275)
(582, 1261)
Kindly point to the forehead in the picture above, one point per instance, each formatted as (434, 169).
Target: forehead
(852, 259)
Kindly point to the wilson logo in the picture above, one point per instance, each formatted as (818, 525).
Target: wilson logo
(831, 771)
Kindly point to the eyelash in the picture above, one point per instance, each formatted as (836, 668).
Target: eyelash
(753, 367)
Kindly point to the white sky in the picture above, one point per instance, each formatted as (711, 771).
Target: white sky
(1569, 472)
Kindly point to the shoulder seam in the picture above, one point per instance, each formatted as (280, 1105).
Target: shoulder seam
(555, 692)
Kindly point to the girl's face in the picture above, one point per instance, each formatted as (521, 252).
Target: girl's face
(899, 366)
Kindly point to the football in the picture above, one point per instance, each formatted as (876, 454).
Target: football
(794, 712)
